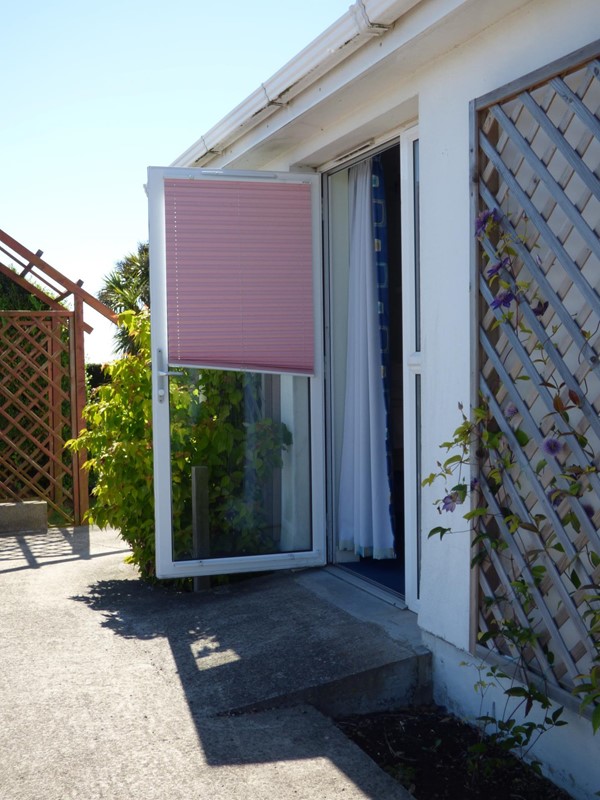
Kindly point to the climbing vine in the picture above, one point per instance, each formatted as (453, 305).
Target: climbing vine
(532, 500)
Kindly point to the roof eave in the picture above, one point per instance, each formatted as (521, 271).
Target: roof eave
(364, 20)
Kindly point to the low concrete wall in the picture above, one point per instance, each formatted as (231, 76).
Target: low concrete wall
(568, 755)
(29, 516)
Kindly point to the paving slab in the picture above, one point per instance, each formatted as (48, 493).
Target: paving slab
(25, 515)
(114, 689)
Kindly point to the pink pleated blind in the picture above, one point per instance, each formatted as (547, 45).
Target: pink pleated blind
(239, 274)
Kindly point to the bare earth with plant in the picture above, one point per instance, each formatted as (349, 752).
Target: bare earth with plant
(434, 755)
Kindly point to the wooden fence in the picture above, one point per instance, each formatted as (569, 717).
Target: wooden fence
(42, 386)
(40, 408)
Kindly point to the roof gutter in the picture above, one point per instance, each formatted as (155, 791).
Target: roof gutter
(364, 20)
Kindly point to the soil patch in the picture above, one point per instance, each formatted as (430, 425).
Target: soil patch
(427, 751)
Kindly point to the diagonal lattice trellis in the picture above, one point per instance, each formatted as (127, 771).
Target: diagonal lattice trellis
(43, 385)
(36, 409)
(538, 162)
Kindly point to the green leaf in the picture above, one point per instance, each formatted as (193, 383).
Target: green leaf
(596, 719)
(522, 437)
(452, 460)
(528, 526)
(476, 512)
(478, 748)
(574, 578)
(439, 531)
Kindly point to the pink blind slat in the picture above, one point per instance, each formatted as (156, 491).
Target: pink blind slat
(239, 274)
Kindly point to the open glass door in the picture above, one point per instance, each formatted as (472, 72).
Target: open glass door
(237, 395)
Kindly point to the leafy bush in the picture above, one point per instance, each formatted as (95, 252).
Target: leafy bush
(16, 298)
(208, 427)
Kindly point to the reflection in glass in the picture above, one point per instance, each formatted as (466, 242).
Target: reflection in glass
(240, 468)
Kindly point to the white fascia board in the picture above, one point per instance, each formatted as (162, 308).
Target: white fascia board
(364, 20)
(433, 27)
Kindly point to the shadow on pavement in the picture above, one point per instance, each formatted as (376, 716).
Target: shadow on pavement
(252, 644)
(55, 546)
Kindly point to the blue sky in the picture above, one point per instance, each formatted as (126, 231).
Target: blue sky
(94, 92)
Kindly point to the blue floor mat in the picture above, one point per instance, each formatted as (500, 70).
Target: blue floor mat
(388, 572)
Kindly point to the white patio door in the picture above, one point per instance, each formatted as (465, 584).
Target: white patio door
(237, 371)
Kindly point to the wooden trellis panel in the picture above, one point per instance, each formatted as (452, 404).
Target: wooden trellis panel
(537, 153)
(38, 411)
(42, 386)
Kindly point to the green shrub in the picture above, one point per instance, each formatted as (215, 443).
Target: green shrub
(208, 427)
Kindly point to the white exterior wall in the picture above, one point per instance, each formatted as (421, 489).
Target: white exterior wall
(311, 131)
(500, 54)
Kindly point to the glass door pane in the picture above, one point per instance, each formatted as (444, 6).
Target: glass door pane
(240, 464)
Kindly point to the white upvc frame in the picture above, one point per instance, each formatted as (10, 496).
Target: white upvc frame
(412, 357)
(329, 170)
(166, 566)
(412, 367)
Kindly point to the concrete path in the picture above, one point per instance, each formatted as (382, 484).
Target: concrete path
(113, 689)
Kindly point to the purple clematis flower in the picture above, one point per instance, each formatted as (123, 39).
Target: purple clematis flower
(483, 218)
(540, 309)
(589, 509)
(552, 446)
(511, 411)
(503, 298)
(495, 268)
(449, 502)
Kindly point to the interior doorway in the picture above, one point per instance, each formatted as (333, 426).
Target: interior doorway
(366, 386)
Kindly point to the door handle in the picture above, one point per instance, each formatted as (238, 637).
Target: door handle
(162, 377)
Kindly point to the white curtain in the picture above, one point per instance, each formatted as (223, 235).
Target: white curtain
(364, 494)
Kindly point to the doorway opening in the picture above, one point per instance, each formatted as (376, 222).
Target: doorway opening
(366, 387)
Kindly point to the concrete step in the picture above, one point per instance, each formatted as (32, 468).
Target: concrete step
(27, 516)
(362, 667)
(404, 681)
(280, 640)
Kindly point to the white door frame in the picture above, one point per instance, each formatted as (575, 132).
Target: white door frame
(412, 362)
(166, 566)
(412, 358)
